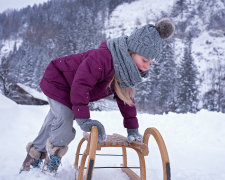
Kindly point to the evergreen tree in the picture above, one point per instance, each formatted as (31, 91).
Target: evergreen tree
(214, 99)
(187, 94)
(144, 92)
(166, 80)
(4, 70)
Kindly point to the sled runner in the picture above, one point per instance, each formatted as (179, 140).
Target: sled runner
(117, 140)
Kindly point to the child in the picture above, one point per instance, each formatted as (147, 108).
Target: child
(71, 82)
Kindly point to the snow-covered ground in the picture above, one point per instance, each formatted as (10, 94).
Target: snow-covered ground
(195, 143)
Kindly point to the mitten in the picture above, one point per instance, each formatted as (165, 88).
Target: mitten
(133, 135)
(86, 125)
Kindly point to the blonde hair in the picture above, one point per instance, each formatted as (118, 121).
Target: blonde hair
(126, 95)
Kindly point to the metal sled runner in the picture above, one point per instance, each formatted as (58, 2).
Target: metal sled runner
(117, 140)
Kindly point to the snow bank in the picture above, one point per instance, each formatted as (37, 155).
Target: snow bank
(5, 102)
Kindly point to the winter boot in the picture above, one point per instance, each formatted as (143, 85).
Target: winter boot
(33, 158)
(55, 154)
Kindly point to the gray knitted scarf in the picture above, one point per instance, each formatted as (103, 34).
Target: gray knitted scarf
(125, 68)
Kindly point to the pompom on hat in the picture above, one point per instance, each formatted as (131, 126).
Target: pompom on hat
(165, 27)
(148, 40)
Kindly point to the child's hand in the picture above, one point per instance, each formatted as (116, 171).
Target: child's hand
(86, 125)
(133, 135)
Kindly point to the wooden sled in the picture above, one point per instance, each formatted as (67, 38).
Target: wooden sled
(117, 140)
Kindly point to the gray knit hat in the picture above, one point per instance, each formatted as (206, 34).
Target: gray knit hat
(148, 40)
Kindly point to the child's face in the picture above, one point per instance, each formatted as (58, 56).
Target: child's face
(142, 63)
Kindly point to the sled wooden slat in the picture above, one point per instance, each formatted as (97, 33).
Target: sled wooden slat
(117, 140)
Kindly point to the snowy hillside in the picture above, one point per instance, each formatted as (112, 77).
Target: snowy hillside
(209, 54)
(195, 144)
(127, 16)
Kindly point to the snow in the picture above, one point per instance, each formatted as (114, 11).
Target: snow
(136, 14)
(208, 52)
(5, 102)
(7, 46)
(195, 143)
(34, 93)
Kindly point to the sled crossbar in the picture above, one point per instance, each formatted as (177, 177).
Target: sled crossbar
(120, 141)
(105, 154)
(109, 167)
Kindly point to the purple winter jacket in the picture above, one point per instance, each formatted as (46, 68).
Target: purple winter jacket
(78, 79)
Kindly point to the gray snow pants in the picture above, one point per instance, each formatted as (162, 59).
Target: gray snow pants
(58, 127)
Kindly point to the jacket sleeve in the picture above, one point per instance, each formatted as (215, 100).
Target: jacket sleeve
(86, 77)
(129, 114)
